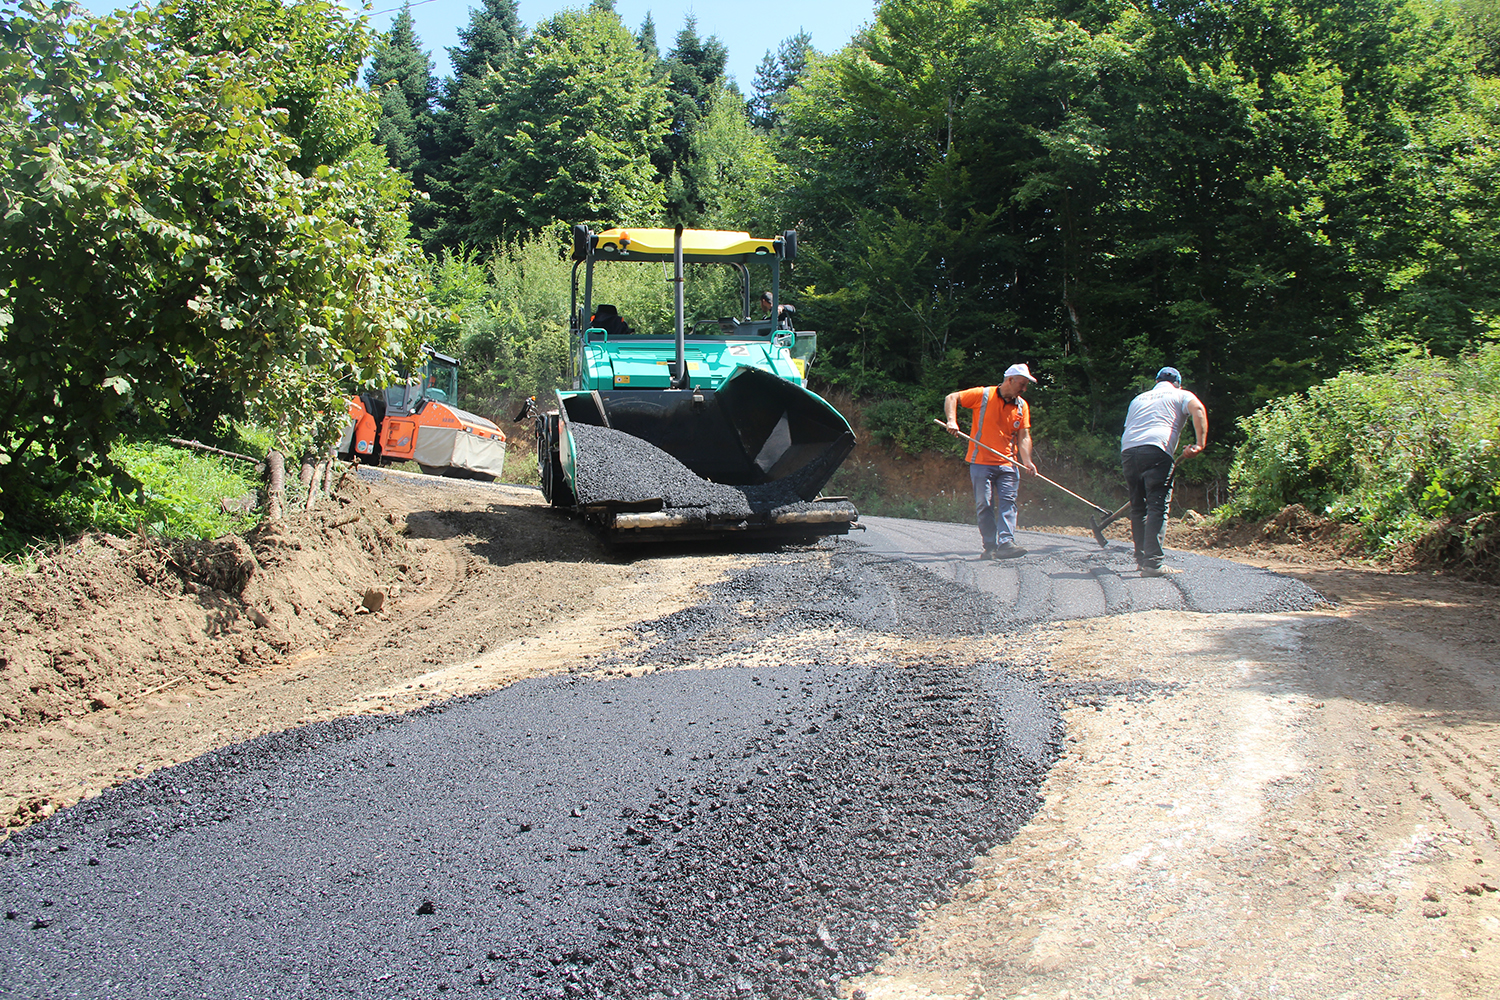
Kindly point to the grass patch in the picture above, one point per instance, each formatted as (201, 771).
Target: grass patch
(178, 497)
(179, 494)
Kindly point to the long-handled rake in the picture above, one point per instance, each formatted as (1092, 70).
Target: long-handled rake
(1010, 461)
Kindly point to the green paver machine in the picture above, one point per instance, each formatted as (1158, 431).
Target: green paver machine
(728, 400)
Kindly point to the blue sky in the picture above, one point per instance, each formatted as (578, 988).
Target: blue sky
(748, 27)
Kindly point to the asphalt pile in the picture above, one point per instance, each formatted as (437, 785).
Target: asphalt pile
(807, 872)
(615, 467)
(848, 588)
(755, 830)
(781, 886)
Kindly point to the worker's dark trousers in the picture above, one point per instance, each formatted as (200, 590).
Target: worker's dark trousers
(1148, 476)
(995, 490)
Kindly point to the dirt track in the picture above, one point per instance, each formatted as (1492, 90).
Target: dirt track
(1305, 806)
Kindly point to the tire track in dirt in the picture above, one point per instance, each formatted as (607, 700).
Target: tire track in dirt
(1461, 778)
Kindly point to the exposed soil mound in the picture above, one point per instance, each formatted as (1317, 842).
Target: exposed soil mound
(1298, 524)
(1293, 526)
(106, 620)
(1466, 546)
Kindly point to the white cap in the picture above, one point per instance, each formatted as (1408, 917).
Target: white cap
(1021, 370)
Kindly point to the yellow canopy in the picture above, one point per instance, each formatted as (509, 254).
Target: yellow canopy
(695, 242)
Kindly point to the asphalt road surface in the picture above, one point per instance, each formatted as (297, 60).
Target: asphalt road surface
(646, 829)
(1063, 577)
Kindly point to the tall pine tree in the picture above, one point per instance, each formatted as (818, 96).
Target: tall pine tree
(695, 75)
(486, 46)
(775, 75)
(400, 72)
(567, 132)
(646, 38)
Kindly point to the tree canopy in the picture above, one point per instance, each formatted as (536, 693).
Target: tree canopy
(1257, 193)
(1261, 194)
(776, 75)
(400, 74)
(486, 46)
(566, 131)
(168, 217)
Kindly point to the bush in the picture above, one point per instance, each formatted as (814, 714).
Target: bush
(904, 424)
(1391, 452)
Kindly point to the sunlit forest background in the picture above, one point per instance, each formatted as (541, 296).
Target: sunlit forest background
(218, 210)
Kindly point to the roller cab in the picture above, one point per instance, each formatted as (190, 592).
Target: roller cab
(418, 420)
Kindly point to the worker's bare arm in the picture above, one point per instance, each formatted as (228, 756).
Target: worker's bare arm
(1023, 450)
(1199, 413)
(950, 412)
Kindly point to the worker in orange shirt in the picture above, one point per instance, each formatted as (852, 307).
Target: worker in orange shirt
(1000, 419)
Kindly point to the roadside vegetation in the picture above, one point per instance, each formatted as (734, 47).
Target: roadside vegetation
(1408, 455)
(172, 491)
(1295, 204)
(179, 494)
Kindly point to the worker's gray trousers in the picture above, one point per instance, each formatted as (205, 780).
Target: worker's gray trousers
(1148, 477)
(995, 491)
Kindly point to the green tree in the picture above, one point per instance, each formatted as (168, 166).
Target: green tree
(695, 75)
(310, 54)
(737, 177)
(486, 46)
(567, 132)
(878, 176)
(155, 230)
(400, 72)
(1480, 19)
(646, 38)
(777, 74)
(1254, 192)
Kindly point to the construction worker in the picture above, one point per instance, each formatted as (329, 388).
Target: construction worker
(784, 312)
(1001, 421)
(1152, 426)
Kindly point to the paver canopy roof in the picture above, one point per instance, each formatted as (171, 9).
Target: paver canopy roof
(699, 244)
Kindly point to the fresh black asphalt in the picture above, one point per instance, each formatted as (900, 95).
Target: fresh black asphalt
(1065, 577)
(692, 819)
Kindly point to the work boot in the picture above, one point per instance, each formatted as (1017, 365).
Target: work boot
(1009, 550)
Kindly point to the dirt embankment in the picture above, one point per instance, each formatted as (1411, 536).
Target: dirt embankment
(118, 656)
(106, 621)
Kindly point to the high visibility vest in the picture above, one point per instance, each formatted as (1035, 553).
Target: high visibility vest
(994, 422)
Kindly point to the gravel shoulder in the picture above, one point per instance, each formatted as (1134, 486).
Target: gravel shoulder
(1305, 806)
(1298, 804)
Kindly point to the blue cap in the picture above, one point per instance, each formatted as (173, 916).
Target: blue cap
(1171, 375)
